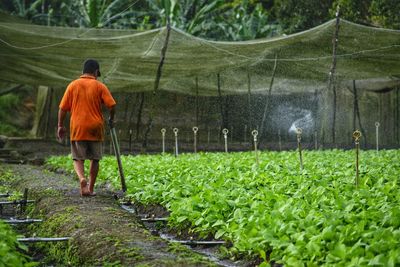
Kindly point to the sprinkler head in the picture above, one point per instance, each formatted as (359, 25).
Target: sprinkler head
(356, 135)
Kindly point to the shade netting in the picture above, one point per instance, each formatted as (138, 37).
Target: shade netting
(130, 60)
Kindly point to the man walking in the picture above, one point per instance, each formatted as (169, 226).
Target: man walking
(84, 98)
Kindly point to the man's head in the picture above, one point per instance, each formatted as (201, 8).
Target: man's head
(91, 66)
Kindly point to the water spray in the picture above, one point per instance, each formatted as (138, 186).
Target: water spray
(254, 133)
(175, 130)
(195, 130)
(225, 132)
(163, 131)
(298, 133)
(377, 124)
(357, 136)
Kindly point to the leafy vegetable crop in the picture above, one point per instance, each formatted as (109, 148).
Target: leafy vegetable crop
(312, 217)
(10, 254)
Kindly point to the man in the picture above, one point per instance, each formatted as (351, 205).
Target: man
(84, 98)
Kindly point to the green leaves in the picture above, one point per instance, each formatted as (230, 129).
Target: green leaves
(316, 217)
(10, 250)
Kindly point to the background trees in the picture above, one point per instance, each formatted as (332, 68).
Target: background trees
(216, 19)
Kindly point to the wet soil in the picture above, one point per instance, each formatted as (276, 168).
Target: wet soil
(102, 234)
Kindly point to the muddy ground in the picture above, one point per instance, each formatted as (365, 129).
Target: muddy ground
(102, 234)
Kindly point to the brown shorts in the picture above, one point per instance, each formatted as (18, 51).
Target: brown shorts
(82, 150)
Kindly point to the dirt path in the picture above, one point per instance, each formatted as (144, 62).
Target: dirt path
(102, 234)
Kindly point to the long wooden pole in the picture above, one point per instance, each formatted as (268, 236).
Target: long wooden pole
(117, 154)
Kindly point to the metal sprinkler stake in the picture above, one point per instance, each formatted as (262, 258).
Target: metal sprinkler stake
(163, 131)
(298, 132)
(195, 130)
(225, 132)
(357, 136)
(377, 124)
(255, 133)
(175, 130)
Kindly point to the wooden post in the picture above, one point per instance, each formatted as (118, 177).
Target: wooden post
(197, 101)
(268, 99)
(332, 74)
(249, 101)
(50, 98)
(220, 101)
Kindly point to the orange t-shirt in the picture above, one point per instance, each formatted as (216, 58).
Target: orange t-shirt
(84, 98)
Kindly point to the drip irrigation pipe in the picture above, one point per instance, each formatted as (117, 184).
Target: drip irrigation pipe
(43, 239)
(199, 243)
(161, 219)
(17, 221)
(15, 202)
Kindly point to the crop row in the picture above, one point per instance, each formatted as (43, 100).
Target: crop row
(275, 211)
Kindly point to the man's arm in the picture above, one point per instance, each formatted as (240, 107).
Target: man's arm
(111, 118)
(61, 129)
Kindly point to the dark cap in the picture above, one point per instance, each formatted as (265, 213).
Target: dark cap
(90, 66)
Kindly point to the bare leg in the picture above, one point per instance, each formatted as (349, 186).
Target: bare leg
(80, 171)
(94, 170)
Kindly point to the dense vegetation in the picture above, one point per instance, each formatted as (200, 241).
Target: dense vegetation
(216, 19)
(10, 249)
(275, 211)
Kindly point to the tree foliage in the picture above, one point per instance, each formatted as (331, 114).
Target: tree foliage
(217, 19)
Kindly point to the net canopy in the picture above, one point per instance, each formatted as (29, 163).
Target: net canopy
(130, 60)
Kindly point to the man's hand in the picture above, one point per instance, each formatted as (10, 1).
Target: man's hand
(61, 133)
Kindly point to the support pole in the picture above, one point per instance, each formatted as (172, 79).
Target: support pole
(130, 140)
(266, 107)
(357, 112)
(197, 101)
(332, 71)
(25, 199)
(157, 84)
(357, 136)
(298, 133)
(279, 140)
(249, 113)
(377, 124)
(220, 101)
